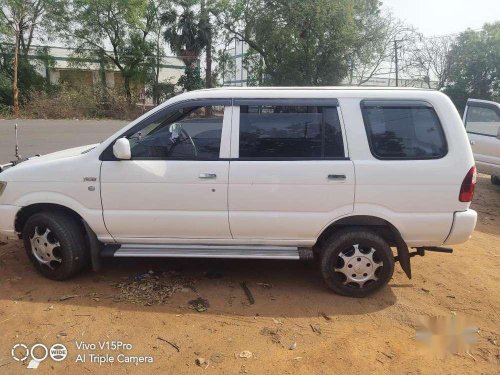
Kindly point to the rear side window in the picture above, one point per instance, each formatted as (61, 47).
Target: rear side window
(290, 132)
(403, 130)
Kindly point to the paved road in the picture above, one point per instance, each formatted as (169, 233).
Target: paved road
(44, 136)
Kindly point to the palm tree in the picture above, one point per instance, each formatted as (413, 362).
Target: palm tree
(188, 34)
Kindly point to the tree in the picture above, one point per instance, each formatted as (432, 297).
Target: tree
(125, 26)
(22, 19)
(187, 33)
(205, 23)
(475, 66)
(159, 90)
(28, 79)
(373, 51)
(299, 42)
(225, 65)
(429, 60)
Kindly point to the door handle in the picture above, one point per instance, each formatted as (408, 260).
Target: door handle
(472, 142)
(206, 176)
(337, 177)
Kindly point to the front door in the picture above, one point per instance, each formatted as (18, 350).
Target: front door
(482, 122)
(175, 185)
(289, 175)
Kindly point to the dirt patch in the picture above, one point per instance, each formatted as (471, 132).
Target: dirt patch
(272, 333)
(294, 327)
(150, 288)
(199, 304)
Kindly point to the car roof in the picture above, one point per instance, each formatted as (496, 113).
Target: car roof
(313, 88)
(306, 92)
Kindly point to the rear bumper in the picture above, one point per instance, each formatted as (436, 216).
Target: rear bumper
(463, 225)
(7, 218)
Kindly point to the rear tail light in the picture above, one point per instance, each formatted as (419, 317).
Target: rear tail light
(468, 185)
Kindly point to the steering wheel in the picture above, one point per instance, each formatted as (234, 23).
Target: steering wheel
(186, 136)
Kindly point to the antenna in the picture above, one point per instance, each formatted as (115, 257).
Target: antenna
(17, 155)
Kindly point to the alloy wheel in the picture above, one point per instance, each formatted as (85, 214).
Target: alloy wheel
(46, 248)
(358, 266)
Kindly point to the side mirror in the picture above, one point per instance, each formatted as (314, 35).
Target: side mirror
(121, 149)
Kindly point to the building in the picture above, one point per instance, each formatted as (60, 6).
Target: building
(238, 75)
(64, 68)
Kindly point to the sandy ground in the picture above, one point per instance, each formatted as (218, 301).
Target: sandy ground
(350, 336)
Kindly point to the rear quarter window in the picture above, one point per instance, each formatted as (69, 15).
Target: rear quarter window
(403, 130)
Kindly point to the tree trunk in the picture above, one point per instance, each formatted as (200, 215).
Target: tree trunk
(15, 91)
(208, 55)
(128, 92)
(208, 73)
(156, 92)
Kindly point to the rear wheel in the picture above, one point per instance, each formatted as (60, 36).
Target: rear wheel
(495, 180)
(356, 262)
(55, 244)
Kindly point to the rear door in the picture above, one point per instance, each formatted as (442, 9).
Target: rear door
(482, 122)
(290, 175)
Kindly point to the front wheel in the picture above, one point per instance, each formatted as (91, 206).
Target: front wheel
(356, 262)
(495, 180)
(55, 244)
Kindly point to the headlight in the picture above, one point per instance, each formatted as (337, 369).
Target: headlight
(3, 185)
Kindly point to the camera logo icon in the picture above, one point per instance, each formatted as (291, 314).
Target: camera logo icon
(58, 352)
(38, 353)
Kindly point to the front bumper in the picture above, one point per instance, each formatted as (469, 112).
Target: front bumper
(464, 223)
(7, 218)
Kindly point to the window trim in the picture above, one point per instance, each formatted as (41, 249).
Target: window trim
(306, 102)
(399, 103)
(107, 154)
(485, 105)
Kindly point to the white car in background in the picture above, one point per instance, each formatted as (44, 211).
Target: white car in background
(482, 122)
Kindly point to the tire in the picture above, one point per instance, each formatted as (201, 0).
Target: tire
(371, 262)
(495, 180)
(60, 254)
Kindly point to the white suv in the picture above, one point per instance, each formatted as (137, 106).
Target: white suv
(340, 175)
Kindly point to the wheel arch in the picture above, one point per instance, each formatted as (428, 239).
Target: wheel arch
(389, 233)
(50, 200)
(92, 243)
(26, 212)
(384, 228)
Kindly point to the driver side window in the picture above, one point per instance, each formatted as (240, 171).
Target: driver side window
(187, 133)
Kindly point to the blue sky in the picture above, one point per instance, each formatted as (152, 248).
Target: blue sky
(439, 17)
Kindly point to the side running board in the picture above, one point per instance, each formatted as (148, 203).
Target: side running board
(206, 251)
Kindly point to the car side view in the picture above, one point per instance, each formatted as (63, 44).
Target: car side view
(354, 178)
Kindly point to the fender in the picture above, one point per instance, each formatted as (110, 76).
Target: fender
(92, 216)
